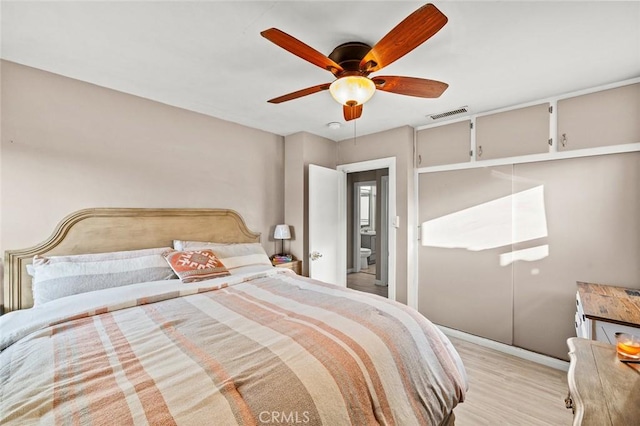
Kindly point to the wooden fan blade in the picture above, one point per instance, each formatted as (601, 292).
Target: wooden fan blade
(410, 86)
(301, 50)
(351, 112)
(300, 93)
(406, 36)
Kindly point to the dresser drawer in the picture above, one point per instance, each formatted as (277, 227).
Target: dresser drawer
(606, 331)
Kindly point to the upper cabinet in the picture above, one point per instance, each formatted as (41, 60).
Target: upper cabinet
(604, 118)
(447, 144)
(608, 117)
(513, 133)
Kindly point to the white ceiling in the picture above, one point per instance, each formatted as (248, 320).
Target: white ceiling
(209, 57)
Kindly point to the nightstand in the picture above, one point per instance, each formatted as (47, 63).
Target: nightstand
(294, 265)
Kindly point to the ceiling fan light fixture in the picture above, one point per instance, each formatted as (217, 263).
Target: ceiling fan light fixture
(352, 90)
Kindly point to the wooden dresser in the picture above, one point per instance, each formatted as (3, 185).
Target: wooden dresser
(602, 390)
(603, 310)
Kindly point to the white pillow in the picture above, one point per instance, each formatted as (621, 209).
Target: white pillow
(59, 276)
(182, 245)
(242, 254)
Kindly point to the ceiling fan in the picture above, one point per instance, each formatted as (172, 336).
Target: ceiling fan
(352, 62)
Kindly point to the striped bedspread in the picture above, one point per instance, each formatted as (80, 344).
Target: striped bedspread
(271, 348)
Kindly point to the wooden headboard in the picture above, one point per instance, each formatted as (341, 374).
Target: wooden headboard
(113, 229)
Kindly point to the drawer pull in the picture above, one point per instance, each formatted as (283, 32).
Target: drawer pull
(568, 402)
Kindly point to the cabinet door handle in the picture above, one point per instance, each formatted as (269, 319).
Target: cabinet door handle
(563, 140)
(479, 151)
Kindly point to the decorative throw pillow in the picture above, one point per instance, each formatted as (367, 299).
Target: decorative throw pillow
(195, 265)
(59, 276)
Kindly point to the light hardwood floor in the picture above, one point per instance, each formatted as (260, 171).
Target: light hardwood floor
(507, 390)
(365, 281)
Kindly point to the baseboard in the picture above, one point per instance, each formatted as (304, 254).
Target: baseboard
(350, 271)
(558, 364)
(380, 283)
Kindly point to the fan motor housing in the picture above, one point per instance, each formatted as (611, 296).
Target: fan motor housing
(348, 55)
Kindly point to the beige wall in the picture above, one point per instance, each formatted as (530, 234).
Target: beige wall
(396, 143)
(302, 149)
(68, 145)
(294, 190)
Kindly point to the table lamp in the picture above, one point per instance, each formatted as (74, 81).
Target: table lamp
(282, 232)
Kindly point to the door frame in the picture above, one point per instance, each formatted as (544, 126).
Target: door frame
(384, 237)
(363, 166)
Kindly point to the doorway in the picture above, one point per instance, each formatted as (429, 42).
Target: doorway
(343, 237)
(368, 226)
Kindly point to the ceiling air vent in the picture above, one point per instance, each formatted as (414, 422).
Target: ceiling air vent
(449, 113)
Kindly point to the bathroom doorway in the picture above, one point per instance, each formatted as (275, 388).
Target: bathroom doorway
(368, 215)
(391, 222)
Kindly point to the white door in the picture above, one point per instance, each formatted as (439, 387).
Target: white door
(327, 227)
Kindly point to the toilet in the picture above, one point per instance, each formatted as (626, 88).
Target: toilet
(364, 255)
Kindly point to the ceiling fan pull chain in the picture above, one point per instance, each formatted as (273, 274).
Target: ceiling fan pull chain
(355, 141)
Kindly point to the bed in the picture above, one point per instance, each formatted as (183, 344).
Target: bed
(249, 344)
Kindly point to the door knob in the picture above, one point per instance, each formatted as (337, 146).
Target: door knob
(315, 255)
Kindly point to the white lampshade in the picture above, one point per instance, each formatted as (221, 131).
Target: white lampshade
(282, 232)
(352, 90)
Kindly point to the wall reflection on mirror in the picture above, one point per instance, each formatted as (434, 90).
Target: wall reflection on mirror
(516, 218)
